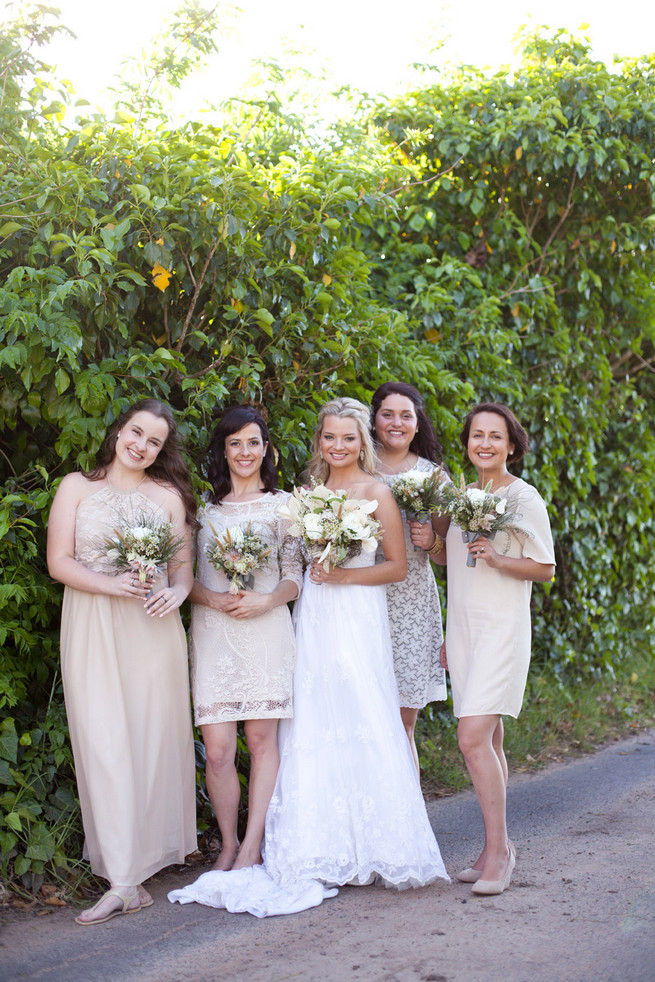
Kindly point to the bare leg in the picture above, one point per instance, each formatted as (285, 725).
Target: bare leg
(409, 717)
(484, 763)
(220, 741)
(261, 735)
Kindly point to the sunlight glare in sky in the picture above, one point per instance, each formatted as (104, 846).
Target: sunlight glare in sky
(365, 43)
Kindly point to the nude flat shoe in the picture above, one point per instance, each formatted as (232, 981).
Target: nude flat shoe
(472, 875)
(488, 888)
(469, 875)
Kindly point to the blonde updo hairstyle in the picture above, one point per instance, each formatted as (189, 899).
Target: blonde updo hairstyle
(345, 408)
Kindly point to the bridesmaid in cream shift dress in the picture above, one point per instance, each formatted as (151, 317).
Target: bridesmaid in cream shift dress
(488, 628)
(124, 660)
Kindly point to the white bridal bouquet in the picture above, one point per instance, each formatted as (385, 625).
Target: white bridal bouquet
(418, 495)
(144, 546)
(332, 526)
(477, 512)
(237, 553)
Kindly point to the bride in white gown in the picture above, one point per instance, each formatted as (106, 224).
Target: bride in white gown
(347, 806)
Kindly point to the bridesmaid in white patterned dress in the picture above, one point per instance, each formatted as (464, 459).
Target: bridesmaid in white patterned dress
(243, 646)
(406, 444)
(125, 673)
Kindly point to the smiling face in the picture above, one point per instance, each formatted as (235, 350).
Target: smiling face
(340, 441)
(396, 423)
(140, 439)
(245, 451)
(488, 442)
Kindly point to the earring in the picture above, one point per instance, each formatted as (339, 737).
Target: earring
(320, 453)
(361, 454)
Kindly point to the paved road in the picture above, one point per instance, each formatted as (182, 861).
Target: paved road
(581, 907)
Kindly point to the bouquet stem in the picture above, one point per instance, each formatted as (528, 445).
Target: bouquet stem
(473, 537)
(422, 518)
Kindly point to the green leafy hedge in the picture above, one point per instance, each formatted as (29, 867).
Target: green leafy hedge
(481, 237)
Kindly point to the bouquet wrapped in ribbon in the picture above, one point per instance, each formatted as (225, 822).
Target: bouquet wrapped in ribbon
(144, 546)
(332, 526)
(237, 553)
(418, 496)
(477, 512)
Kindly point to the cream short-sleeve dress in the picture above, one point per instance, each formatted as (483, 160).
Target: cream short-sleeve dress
(488, 630)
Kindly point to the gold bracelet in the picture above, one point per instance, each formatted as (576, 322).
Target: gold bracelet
(436, 546)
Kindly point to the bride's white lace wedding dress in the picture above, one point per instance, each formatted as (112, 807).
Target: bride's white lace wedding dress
(347, 805)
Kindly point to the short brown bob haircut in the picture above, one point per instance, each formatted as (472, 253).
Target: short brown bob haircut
(517, 435)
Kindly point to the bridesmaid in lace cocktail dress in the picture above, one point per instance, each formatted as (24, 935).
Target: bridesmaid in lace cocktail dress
(124, 659)
(243, 646)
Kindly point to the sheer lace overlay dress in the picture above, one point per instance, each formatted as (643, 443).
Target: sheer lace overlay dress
(126, 686)
(243, 669)
(415, 620)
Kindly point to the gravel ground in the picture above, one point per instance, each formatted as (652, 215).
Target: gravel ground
(581, 907)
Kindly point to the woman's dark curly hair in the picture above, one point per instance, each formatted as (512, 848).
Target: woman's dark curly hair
(168, 468)
(516, 433)
(425, 442)
(234, 419)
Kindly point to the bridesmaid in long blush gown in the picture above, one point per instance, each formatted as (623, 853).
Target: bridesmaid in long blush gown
(124, 659)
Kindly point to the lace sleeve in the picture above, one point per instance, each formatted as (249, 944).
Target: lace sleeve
(291, 559)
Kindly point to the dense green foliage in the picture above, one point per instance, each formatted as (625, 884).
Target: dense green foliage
(525, 254)
(481, 237)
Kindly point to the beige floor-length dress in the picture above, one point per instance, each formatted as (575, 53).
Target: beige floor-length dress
(488, 630)
(127, 699)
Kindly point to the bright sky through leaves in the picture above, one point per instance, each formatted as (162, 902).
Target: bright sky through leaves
(365, 43)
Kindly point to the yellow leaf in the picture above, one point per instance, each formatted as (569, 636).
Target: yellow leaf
(117, 173)
(518, 153)
(243, 385)
(634, 677)
(295, 364)
(238, 306)
(160, 277)
(292, 250)
(432, 334)
(159, 241)
(327, 279)
(613, 246)
(515, 310)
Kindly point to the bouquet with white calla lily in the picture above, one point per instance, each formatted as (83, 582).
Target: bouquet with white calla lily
(332, 526)
(237, 553)
(477, 512)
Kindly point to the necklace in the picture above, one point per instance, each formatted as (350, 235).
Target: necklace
(398, 469)
(125, 490)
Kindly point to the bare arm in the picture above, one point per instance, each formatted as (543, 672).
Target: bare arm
(62, 564)
(519, 567)
(248, 603)
(180, 569)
